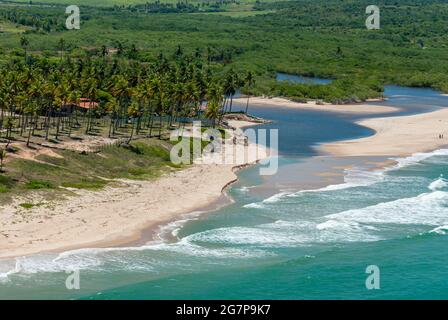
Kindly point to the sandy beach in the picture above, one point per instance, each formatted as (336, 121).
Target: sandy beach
(396, 136)
(360, 108)
(119, 213)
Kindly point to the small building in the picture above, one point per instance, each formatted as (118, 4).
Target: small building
(83, 106)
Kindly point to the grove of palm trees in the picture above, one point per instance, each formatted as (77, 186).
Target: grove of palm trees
(39, 99)
(106, 99)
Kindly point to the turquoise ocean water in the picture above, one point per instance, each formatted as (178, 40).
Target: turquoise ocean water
(284, 243)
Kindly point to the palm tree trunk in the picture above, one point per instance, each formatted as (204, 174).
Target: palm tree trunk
(132, 131)
(70, 125)
(58, 122)
(30, 130)
(111, 125)
(160, 128)
(47, 124)
(247, 104)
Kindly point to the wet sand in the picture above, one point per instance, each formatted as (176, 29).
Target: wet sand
(396, 136)
(119, 214)
(360, 108)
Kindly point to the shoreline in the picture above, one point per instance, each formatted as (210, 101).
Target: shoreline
(394, 137)
(116, 216)
(398, 136)
(358, 108)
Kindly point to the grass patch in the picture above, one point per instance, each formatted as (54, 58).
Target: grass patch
(27, 205)
(6, 183)
(145, 159)
(86, 184)
(38, 184)
(3, 189)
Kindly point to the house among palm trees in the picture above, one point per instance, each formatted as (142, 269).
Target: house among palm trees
(83, 105)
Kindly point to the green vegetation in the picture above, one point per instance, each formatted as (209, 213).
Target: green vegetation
(137, 70)
(131, 104)
(27, 205)
(309, 37)
(145, 159)
(38, 184)
(88, 2)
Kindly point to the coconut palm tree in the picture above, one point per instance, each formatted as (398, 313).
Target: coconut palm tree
(60, 100)
(91, 91)
(9, 124)
(48, 90)
(31, 110)
(231, 84)
(74, 98)
(112, 108)
(214, 99)
(249, 82)
(19, 101)
(119, 88)
(24, 43)
(133, 113)
(61, 45)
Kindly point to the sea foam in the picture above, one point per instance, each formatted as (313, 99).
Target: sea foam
(442, 230)
(424, 209)
(358, 177)
(350, 225)
(417, 158)
(438, 184)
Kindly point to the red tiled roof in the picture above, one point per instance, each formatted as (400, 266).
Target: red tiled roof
(87, 104)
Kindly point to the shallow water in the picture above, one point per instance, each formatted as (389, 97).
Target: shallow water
(277, 241)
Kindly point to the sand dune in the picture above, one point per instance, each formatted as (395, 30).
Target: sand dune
(118, 214)
(360, 108)
(397, 136)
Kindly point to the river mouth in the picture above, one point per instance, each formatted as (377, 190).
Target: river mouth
(312, 229)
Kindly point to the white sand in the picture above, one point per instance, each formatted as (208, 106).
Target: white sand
(360, 108)
(117, 214)
(397, 136)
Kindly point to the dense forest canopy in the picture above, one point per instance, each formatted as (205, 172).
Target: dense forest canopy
(326, 38)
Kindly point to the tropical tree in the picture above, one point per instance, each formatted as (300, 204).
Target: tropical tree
(61, 45)
(38, 95)
(214, 99)
(133, 113)
(249, 82)
(9, 124)
(231, 84)
(60, 101)
(2, 158)
(112, 108)
(91, 91)
(31, 110)
(24, 43)
(104, 51)
(119, 88)
(74, 98)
